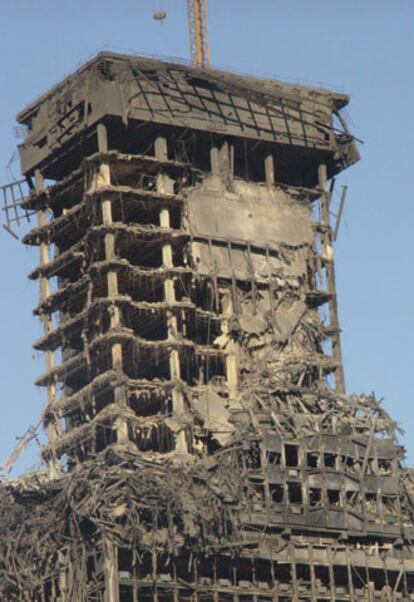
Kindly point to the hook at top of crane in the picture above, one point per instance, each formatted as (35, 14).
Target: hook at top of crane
(160, 15)
(198, 29)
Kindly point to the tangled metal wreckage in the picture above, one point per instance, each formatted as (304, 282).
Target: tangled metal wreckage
(200, 442)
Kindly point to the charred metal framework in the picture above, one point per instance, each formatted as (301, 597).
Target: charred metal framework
(201, 446)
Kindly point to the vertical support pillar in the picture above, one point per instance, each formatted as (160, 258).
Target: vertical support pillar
(312, 574)
(222, 162)
(44, 285)
(111, 572)
(270, 170)
(350, 591)
(226, 163)
(231, 359)
(104, 179)
(331, 572)
(166, 185)
(102, 136)
(63, 581)
(161, 149)
(330, 277)
(295, 589)
(215, 161)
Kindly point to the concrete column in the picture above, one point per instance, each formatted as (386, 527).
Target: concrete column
(102, 136)
(63, 581)
(166, 185)
(215, 161)
(111, 572)
(270, 170)
(330, 278)
(226, 162)
(161, 149)
(312, 574)
(44, 285)
(222, 162)
(231, 357)
(104, 179)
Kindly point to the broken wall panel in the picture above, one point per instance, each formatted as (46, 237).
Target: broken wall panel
(250, 213)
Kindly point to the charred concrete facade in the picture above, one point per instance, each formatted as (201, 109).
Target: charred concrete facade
(201, 446)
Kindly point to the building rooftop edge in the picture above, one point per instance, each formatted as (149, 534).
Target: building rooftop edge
(146, 61)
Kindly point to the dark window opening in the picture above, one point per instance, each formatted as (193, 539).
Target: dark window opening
(140, 289)
(157, 440)
(94, 564)
(330, 460)
(303, 572)
(105, 435)
(353, 498)
(284, 575)
(175, 218)
(312, 459)
(333, 497)
(253, 457)
(182, 290)
(258, 491)
(274, 458)
(348, 462)
(139, 361)
(223, 570)
(102, 400)
(276, 493)
(390, 504)
(384, 466)
(205, 369)
(125, 560)
(315, 497)
(126, 592)
(178, 255)
(202, 294)
(100, 288)
(291, 455)
(341, 578)
(371, 503)
(201, 329)
(144, 255)
(295, 493)
(322, 574)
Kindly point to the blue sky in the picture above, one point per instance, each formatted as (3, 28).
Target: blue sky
(363, 47)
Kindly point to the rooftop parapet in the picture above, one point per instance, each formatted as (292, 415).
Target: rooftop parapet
(137, 94)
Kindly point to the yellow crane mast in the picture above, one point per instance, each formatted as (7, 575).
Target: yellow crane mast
(198, 29)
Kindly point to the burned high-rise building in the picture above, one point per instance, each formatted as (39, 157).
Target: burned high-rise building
(201, 446)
